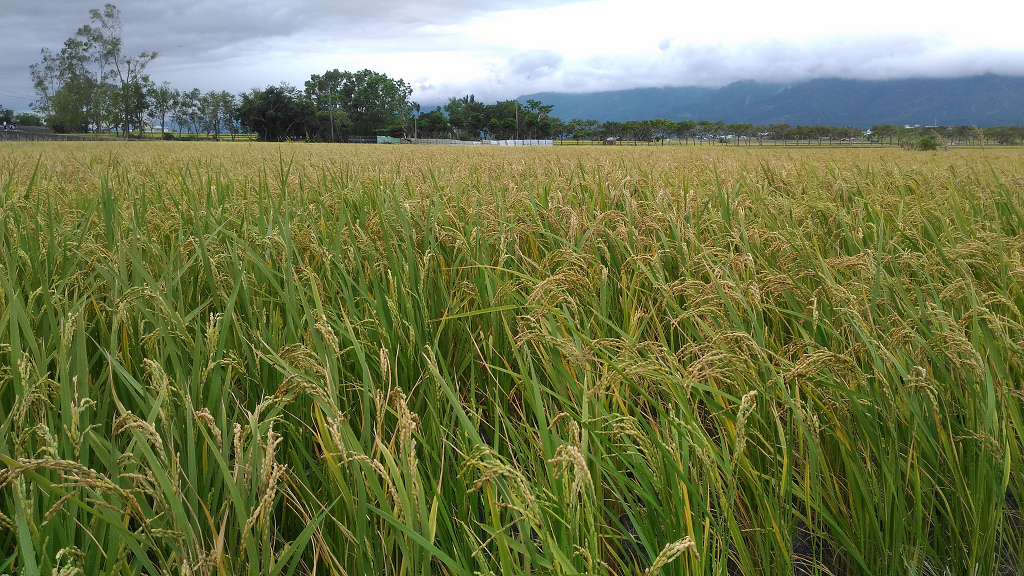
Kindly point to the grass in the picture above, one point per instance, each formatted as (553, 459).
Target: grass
(307, 359)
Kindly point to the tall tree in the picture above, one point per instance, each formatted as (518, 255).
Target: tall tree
(65, 87)
(278, 113)
(780, 131)
(466, 116)
(434, 123)
(663, 128)
(686, 129)
(186, 110)
(502, 120)
(375, 103)
(162, 99)
(92, 77)
(881, 131)
(327, 93)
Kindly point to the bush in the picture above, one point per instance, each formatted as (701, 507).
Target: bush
(167, 136)
(927, 143)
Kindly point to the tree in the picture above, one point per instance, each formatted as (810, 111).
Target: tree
(6, 115)
(466, 116)
(640, 131)
(375, 103)
(963, 134)
(740, 132)
(590, 128)
(927, 142)
(707, 130)
(65, 87)
(162, 99)
(502, 120)
(186, 110)
(415, 109)
(125, 73)
(327, 93)
(663, 128)
(881, 131)
(848, 133)
(686, 129)
(760, 131)
(28, 119)
(278, 113)
(209, 108)
(778, 131)
(434, 123)
(537, 121)
(91, 77)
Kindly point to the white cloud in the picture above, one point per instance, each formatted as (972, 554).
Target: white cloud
(505, 48)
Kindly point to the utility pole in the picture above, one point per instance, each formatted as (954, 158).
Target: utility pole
(330, 96)
(517, 119)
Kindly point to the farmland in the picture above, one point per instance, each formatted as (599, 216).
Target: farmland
(324, 359)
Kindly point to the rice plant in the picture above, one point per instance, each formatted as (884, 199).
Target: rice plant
(299, 359)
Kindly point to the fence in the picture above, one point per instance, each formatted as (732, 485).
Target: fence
(39, 134)
(480, 142)
(42, 134)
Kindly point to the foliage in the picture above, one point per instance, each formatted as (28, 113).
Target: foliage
(466, 116)
(278, 113)
(419, 360)
(28, 119)
(928, 142)
(375, 103)
(332, 106)
(326, 92)
(91, 81)
(162, 98)
(433, 124)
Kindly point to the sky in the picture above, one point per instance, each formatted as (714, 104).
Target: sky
(502, 49)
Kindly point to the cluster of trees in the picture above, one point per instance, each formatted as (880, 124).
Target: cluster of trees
(909, 136)
(23, 119)
(706, 131)
(91, 81)
(92, 85)
(701, 131)
(333, 106)
(468, 118)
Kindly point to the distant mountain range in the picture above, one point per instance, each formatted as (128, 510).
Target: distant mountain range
(987, 100)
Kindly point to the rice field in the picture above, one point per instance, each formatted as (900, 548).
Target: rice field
(393, 360)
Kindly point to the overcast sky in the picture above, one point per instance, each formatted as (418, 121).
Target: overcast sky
(501, 49)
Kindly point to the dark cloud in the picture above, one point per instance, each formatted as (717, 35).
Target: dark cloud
(200, 40)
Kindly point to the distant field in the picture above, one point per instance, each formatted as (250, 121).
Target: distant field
(339, 359)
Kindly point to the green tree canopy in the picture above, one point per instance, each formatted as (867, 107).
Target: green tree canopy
(277, 113)
(91, 80)
(466, 116)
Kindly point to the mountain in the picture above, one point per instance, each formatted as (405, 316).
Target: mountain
(988, 100)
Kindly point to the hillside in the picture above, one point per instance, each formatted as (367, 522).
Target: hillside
(988, 100)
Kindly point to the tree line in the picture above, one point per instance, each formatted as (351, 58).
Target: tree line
(92, 85)
(709, 132)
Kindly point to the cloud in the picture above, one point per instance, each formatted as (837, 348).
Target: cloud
(505, 48)
(678, 63)
(534, 64)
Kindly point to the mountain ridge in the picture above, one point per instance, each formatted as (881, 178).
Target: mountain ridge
(987, 100)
